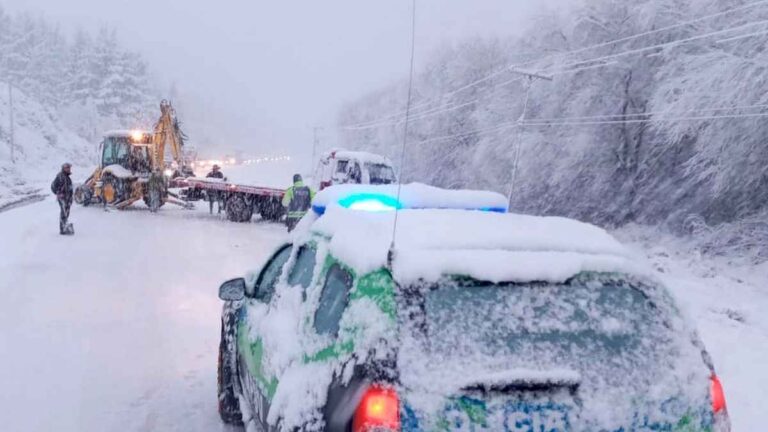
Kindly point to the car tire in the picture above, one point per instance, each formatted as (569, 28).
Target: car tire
(238, 208)
(229, 403)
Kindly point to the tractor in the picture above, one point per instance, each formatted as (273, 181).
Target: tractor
(133, 167)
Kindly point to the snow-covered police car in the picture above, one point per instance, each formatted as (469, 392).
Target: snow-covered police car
(435, 310)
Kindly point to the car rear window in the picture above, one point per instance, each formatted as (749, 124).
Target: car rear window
(589, 323)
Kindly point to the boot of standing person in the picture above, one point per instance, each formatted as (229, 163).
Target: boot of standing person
(62, 188)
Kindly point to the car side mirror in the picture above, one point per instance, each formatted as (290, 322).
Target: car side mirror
(232, 290)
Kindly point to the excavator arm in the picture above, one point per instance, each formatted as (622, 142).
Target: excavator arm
(167, 132)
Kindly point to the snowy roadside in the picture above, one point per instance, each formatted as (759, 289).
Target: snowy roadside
(728, 299)
(116, 328)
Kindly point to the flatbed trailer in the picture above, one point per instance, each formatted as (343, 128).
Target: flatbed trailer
(240, 201)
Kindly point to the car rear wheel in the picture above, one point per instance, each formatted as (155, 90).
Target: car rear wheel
(229, 404)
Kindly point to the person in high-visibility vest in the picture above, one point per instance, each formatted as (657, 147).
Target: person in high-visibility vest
(297, 200)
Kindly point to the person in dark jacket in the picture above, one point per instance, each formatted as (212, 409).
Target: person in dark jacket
(157, 188)
(297, 200)
(62, 188)
(215, 195)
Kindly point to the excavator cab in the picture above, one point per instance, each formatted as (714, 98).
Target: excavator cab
(131, 151)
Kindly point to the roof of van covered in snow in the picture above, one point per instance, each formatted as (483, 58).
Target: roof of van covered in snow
(360, 156)
(439, 238)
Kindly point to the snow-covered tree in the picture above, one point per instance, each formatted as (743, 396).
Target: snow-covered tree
(627, 130)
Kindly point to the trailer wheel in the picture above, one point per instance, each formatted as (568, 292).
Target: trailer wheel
(238, 208)
(271, 209)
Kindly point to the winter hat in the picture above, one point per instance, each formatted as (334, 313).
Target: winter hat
(296, 178)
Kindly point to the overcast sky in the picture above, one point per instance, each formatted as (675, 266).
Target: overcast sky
(260, 74)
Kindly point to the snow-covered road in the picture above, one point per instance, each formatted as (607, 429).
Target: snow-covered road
(117, 327)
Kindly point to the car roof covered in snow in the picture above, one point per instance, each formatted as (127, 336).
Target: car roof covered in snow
(439, 237)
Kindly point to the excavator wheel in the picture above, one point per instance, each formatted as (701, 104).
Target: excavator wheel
(83, 195)
(111, 189)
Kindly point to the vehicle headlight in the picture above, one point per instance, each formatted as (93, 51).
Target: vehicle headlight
(168, 172)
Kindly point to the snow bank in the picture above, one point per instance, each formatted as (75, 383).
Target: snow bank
(42, 144)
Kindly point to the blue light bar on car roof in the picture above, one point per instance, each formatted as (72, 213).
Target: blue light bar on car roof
(369, 202)
(373, 202)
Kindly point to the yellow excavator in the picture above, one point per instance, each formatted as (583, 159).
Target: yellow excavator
(133, 166)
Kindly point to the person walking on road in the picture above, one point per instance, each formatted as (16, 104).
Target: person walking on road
(62, 188)
(157, 190)
(297, 200)
(215, 195)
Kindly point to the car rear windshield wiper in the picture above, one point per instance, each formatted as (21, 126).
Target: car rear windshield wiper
(522, 380)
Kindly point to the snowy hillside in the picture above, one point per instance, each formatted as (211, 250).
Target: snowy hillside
(66, 92)
(43, 143)
(655, 114)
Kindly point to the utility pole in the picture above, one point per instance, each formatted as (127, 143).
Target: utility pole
(10, 104)
(531, 76)
(315, 142)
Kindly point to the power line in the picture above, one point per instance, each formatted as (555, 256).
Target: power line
(652, 113)
(650, 120)
(565, 121)
(387, 120)
(615, 55)
(650, 32)
(735, 38)
(563, 68)
(566, 54)
(436, 111)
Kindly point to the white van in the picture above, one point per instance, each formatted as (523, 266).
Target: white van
(342, 166)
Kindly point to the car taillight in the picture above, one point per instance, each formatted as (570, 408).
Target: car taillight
(379, 410)
(717, 394)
